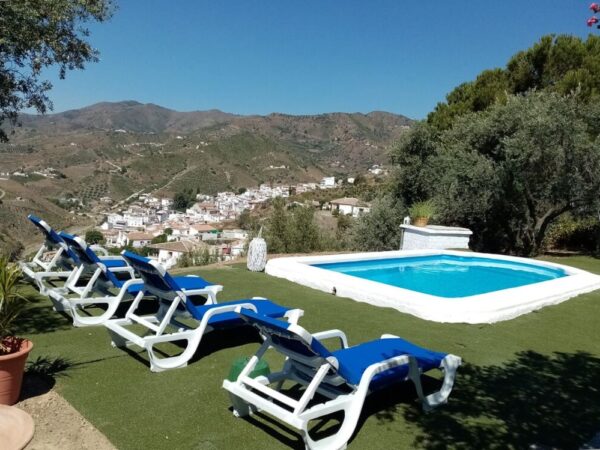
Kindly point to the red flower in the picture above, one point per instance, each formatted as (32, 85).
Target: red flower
(591, 21)
(595, 7)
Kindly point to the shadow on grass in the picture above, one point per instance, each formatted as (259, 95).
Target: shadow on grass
(534, 401)
(381, 404)
(221, 339)
(214, 341)
(39, 317)
(40, 375)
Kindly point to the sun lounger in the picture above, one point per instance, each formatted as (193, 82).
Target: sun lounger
(93, 275)
(343, 377)
(176, 296)
(53, 260)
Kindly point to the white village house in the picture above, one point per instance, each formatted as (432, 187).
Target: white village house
(350, 206)
(138, 239)
(170, 252)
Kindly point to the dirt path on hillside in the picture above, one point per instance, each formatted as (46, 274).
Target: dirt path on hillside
(58, 426)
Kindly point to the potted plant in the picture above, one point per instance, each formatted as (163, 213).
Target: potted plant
(421, 212)
(13, 350)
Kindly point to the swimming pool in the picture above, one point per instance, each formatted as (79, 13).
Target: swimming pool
(440, 285)
(447, 275)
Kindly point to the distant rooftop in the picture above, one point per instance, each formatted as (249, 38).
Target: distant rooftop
(350, 201)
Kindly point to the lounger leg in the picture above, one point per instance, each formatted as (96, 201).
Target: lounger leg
(57, 302)
(352, 406)
(158, 364)
(116, 340)
(449, 365)
(241, 408)
(87, 321)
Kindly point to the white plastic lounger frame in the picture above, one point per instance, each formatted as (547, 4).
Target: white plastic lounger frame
(72, 298)
(249, 395)
(41, 268)
(40, 277)
(156, 324)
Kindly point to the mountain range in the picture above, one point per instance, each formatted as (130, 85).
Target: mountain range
(114, 149)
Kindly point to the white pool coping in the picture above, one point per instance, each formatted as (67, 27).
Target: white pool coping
(483, 308)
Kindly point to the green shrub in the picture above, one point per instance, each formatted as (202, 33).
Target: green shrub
(94, 237)
(379, 230)
(574, 233)
(12, 303)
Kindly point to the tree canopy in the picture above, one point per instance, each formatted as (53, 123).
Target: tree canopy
(183, 200)
(94, 237)
(37, 34)
(380, 229)
(507, 172)
(562, 64)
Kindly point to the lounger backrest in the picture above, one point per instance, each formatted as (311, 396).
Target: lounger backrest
(78, 249)
(52, 237)
(155, 276)
(289, 339)
(87, 256)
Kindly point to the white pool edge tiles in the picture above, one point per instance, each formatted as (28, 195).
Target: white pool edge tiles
(483, 308)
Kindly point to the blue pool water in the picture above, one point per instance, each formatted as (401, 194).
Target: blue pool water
(447, 275)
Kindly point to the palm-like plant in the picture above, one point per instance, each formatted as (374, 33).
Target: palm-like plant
(12, 303)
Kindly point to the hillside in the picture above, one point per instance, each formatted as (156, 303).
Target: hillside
(117, 149)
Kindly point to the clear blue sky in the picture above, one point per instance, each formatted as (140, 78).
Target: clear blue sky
(306, 56)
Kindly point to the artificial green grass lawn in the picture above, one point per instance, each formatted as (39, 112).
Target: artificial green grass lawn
(531, 380)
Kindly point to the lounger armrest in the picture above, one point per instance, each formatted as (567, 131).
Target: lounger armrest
(382, 366)
(223, 309)
(99, 249)
(389, 336)
(212, 289)
(332, 334)
(293, 315)
(131, 282)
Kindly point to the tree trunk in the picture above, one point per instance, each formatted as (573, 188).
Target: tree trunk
(541, 226)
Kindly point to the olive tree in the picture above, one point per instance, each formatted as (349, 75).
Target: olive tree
(508, 172)
(380, 229)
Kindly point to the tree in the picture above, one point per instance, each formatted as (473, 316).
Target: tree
(288, 232)
(183, 200)
(343, 230)
(37, 34)
(304, 233)
(277, 235)
(562, 64)
(380, 230)
(510, 171)
(94, 237)
(161, 238)
(246, 221)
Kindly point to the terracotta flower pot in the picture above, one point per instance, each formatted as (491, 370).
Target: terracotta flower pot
(421, 221)
(12, 367)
